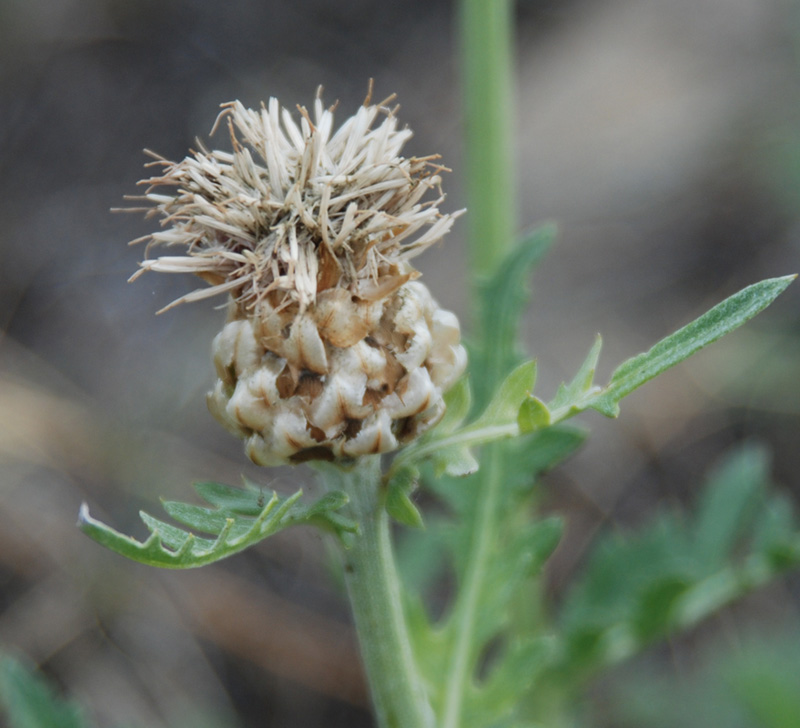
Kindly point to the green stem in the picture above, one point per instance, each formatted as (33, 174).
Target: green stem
(462, 659)
(486, 32)
(486, 39)
(373, 585)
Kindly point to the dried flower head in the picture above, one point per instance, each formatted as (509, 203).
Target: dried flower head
(332, 349)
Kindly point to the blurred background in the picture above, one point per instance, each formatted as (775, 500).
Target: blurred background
(662, 135)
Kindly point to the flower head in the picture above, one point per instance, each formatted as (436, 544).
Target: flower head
(298, 209)
(332, 349)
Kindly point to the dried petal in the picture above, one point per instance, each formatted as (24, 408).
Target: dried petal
(332, 349)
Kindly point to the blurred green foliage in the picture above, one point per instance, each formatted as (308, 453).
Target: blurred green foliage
(29, 702)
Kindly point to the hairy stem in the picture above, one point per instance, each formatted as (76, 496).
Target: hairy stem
(373, 585)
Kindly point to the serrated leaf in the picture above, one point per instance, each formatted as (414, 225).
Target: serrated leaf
(322, 507)
(674, 574)
(177, 539)
(248, 501)
(524, 554)
(205, 520)
(503, 298)
(720, 320)
(234, 526)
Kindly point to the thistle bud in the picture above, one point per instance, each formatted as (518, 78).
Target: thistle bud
(332, 348)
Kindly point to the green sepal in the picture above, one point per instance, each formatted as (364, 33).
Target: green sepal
(238, 519)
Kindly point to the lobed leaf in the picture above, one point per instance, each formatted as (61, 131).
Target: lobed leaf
(502, 300)
(674, 574)
(246, 501)
(239, 519)
(515, 672)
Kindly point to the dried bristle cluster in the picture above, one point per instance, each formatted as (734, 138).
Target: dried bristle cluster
(332, 349)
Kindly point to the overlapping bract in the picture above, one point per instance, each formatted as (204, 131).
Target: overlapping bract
(332, 348)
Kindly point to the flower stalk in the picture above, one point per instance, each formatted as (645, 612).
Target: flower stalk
(374, 588)
(486, 89)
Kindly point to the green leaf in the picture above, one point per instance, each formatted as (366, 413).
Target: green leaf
(239, 519)
(458, 400)
(671, 575)
(454, 460)
(543, 449)
(248, 501)
(450, 451)
(515, 673)
(751, 683)
(774, 531)
(769, 693)
(398, 498)
(533, 415)
(28, 701)
(400, 507)
(504, 406)
(656, 606)
(569, 397)
(503, 297)
(729, 503)
(720, 320)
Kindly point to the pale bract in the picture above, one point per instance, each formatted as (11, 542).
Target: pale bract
(332, 348)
